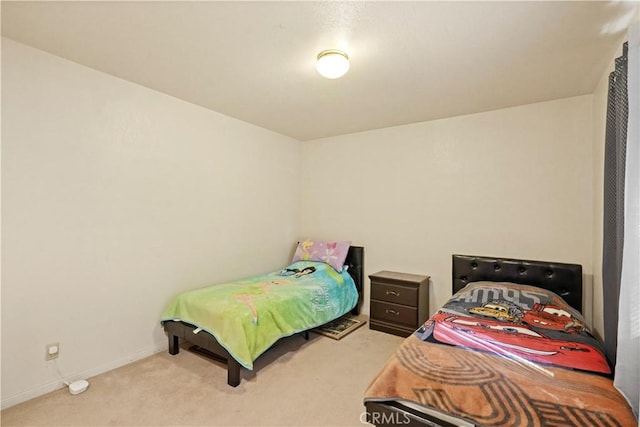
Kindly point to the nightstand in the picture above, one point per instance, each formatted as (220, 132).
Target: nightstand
(399, 302)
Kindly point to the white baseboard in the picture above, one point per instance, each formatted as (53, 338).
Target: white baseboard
(55, 385)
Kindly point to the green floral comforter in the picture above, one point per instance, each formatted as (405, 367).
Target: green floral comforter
(248, 316)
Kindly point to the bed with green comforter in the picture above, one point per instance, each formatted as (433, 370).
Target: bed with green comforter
(248, 316)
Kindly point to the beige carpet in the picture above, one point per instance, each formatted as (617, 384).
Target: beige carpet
(319, 382)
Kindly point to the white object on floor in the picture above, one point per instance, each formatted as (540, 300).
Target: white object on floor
(78, 387)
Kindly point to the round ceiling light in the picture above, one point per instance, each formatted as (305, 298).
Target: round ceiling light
(332, 63)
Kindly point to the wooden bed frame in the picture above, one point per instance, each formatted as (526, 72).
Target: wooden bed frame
(208, 345)
(563, 279)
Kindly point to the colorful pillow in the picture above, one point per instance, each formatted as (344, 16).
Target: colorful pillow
(332, 253)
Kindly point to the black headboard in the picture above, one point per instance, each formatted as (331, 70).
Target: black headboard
(355, 261)
(563, 279)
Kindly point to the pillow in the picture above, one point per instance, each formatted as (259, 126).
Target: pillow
(332, 253)
(532, 301)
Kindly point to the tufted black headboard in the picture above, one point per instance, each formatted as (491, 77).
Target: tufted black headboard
(563, 279)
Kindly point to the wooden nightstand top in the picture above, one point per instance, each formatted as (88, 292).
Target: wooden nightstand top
(396, 276)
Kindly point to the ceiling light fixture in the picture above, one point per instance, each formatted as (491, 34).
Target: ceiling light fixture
(332, 63)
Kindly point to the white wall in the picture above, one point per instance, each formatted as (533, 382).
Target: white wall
(115, 198)
(514, 183)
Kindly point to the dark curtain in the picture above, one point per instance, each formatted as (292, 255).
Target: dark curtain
(613, 227)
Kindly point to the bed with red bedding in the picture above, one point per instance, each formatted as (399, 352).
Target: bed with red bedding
(510, 348)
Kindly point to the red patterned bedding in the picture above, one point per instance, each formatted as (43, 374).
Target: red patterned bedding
(505, 355)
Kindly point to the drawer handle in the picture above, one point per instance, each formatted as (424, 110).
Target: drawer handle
(394, 293)
(390, 311)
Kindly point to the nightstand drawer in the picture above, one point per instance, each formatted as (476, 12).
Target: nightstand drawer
(394, 313)
(395, 294)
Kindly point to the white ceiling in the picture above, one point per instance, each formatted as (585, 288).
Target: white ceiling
(410, 61)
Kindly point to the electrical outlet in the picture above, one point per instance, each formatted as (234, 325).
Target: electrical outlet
(52, 351)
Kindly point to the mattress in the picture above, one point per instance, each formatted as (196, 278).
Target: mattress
(501, 354)
(248, 316)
